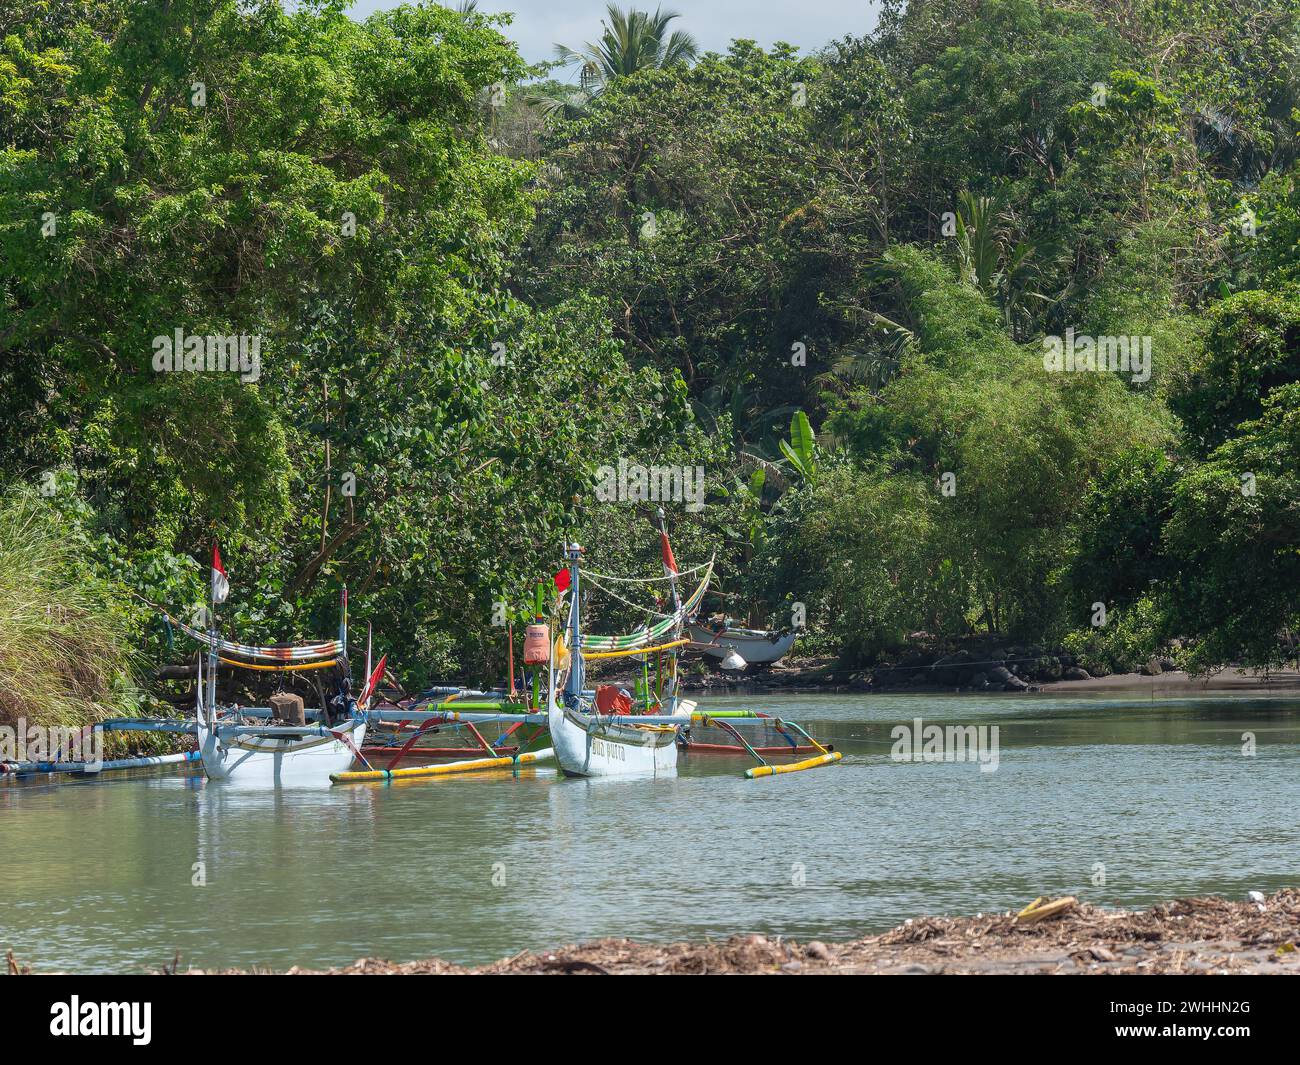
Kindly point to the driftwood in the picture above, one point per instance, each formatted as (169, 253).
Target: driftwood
(1200, 935)
(1040, 909)
(183, 671)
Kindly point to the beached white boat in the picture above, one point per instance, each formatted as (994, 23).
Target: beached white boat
(756, 647)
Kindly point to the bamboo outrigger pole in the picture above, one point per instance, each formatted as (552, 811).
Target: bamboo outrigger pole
(825, 757)
(472, 765)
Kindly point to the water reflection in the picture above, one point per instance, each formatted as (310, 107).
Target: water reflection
(121, 872)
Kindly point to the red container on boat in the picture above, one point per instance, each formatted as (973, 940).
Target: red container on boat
(613, 700)
(537, 645)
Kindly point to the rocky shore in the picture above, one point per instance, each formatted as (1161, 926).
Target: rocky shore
(1190, 936)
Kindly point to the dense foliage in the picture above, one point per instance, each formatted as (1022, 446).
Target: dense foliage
(473, 288)
(64, 652)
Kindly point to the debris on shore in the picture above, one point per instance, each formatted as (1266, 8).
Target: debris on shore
(1190, 936)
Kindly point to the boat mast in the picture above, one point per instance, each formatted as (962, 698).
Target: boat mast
(343, 621)
(669, 696)
(573, 686)
(670, 569)
(538, 617)
(211, 708)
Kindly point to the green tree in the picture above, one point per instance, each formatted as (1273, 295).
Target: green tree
(1250, 349)
(328, 187)
(1234, 532)
(1018, 445)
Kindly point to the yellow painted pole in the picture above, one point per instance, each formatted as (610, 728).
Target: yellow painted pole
(470, 766)
(634, 653)
(792, 767)
(288, 667)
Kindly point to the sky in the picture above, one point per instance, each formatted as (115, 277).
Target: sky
(808, 24)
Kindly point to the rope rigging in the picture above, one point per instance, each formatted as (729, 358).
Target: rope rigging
(586, 573)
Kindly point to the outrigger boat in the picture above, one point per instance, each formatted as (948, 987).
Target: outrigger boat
(588, 744)
(739, 648)
(238, 746)
(235, 747)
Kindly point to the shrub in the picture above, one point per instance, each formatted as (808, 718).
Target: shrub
(64, 648)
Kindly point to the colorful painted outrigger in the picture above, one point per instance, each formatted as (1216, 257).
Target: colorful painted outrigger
(648, 720)
(447, 731)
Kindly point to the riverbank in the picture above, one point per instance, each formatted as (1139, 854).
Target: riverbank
(1004, 675)
(1190, 936)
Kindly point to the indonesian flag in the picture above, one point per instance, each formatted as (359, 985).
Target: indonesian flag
(220, 583)
(670, 563)
(563, 579)
(372, 683)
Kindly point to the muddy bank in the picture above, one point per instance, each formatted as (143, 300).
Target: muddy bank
(1028, 674)
(1237, 680)
(1192, 936)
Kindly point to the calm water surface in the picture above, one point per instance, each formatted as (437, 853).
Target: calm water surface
(100, 874)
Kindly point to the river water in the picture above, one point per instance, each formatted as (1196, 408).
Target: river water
(1121, 800)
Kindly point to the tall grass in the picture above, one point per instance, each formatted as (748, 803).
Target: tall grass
(65, 646)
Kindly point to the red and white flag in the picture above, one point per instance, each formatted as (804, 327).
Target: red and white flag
(220, 583)
(670, 563)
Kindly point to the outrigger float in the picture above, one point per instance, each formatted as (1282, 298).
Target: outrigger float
(90, 768)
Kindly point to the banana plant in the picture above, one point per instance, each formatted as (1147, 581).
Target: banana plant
(800, 450)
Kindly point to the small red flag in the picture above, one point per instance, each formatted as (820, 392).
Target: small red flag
(562, 580)
(670, 563)
(220, 582)
(372, 683)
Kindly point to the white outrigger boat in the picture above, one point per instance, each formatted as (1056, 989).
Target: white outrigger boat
(589, 744)
(237, 746)
(753, 646)
(270, 755)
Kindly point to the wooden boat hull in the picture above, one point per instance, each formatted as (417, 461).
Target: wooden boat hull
(587, 749)
(277, 760)
(756, 648)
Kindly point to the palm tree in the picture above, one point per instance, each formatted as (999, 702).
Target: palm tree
(632, 40)
(989, 260)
